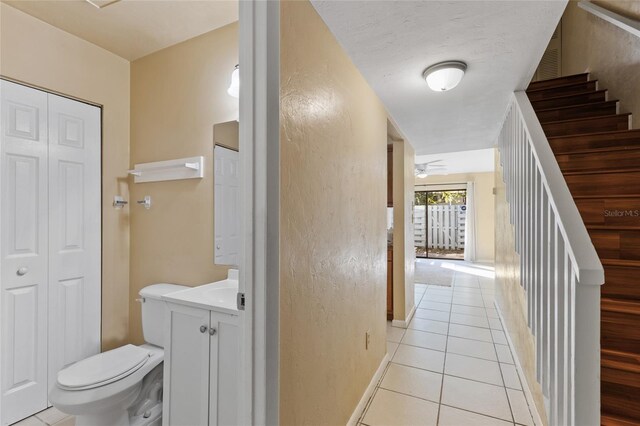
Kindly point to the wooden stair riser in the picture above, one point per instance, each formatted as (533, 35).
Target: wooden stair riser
(599, 141)
(621, 283)
(604, 184)
(578, 111)
(620, 331)
(608, 123)
(597, 161)
(559, 81)
(616, 244)
(619, 400)
(571, 89)
(610, 211)
(563, 101)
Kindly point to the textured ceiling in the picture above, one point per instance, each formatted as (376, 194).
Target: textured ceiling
(476, 161)
(133, 28)
(392, 43)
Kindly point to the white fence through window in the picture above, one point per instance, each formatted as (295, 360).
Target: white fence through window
(440, 226)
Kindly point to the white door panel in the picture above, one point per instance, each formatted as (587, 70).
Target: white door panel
(23, 263)
(226, 206)
(74, 236)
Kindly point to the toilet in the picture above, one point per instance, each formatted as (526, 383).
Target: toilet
(122, 386)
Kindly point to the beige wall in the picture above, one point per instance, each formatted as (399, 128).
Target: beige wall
(510, 295)
(404, 254)
(39, 54)
(485, 214)
(611, 54)
(332, 225)
(177, 95)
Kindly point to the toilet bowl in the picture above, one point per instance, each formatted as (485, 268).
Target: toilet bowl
(122, 386)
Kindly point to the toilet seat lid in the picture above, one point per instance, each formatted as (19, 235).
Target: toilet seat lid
(103, 368)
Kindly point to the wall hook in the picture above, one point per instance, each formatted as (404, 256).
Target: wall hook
(146, 202)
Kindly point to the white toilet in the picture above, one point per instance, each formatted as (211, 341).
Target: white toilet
(122, 386)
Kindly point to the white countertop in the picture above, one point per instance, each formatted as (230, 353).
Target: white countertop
(219, 296)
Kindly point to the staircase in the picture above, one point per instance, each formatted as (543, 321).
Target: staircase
(599, 156)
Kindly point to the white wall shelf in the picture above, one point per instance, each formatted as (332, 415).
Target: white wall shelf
(182, 168)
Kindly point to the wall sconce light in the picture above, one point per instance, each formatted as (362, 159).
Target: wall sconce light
(234, 87)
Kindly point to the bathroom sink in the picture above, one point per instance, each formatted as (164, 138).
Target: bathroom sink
(218, 296)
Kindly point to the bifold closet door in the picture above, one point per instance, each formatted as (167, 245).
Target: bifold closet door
(23, 267)
(74, 232)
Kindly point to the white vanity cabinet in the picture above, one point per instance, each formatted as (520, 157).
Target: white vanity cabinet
(200, 366)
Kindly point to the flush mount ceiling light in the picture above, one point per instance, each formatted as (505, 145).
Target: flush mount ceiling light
(234, 87)
(101, 4)
(444, 75)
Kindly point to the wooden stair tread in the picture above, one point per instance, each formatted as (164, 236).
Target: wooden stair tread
(601, 172)
(624, 306)
(621, 262)
(620, 148)
(620, 360)
(612, 420)
(551, 82)
(586, 120)
(614, 227)
(560, 86)
(587, 197)
(569, 107)
(598, 135)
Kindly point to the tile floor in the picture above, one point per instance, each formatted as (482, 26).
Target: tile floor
(452, 365)
(49, 417)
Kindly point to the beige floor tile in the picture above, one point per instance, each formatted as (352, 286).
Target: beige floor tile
(431, 326)
(467, 332)
(69, 421)
(431, 314)
(469, 310)
(413, 381)
(520, 408)
(468, 301)
(436, 306)
(495, 324)
(394, 334)
(450, 416)
(426, 359)
(425, 339)
(474, 321)
(391, 348)
(473, 369)
(478, 397)
(492, 313)
(504, 354)
(510, 376)
(51, 415)
(499, 337)
(474, 348)
(430, 297)
(394, 409)
(30, 421)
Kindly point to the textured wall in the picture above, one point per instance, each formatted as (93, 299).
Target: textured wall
(404, 254)
(611, 54)
(39, 54)
(485, 209)
(510, 294)
(332, 225)
(177, 95)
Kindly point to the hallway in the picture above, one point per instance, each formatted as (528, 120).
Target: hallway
(453, 365)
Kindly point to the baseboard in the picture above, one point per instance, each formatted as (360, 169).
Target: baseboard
(537, 420)
(357, 413)
(405, 323)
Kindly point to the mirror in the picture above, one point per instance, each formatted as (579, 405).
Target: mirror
(226, 194)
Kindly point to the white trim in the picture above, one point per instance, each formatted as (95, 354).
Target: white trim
(537, 420)
(404, 323)
(259, 128)
(362, 404)
(630, 25)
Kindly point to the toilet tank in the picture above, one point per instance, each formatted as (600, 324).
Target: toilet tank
(153, 311)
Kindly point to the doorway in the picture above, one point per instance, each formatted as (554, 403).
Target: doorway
(440, 222)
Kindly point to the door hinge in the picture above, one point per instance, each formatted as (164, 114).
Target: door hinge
(240, 301)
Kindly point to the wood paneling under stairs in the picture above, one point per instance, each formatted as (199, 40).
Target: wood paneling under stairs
(599, 156)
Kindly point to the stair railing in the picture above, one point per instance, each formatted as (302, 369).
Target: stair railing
(559, 269)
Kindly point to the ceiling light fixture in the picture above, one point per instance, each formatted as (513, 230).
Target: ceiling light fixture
(444, 75)
(101, 4)
(234, 87)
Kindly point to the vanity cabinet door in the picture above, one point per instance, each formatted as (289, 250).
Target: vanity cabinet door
(187, 366)
(224, 350)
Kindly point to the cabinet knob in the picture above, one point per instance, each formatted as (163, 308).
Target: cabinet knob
(212, 331)
(22, 271)
(203, 329)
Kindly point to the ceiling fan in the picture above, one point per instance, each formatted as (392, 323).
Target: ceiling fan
(423, 170)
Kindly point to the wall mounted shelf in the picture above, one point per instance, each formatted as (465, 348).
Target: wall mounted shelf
(182, 168)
